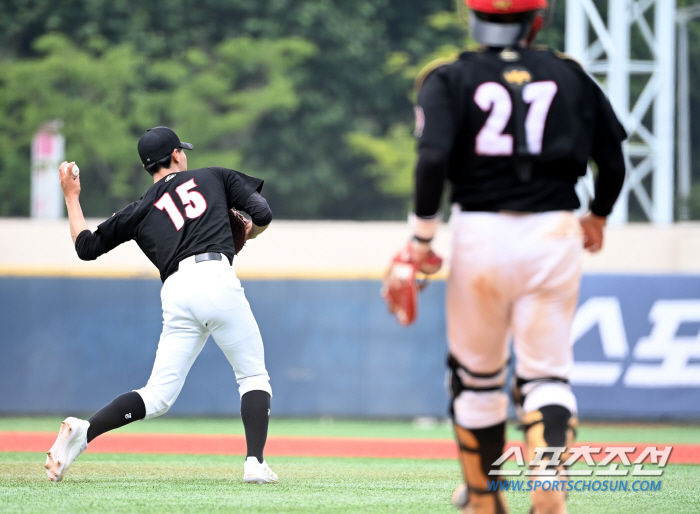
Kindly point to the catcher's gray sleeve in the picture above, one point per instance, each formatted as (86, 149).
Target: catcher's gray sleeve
(258, 209)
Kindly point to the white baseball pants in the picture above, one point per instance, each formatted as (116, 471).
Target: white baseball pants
(516, 275)
(200, 299)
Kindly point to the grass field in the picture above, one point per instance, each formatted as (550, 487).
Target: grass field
(130, 483)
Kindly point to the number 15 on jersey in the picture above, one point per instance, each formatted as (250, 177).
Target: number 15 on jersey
(193, 202)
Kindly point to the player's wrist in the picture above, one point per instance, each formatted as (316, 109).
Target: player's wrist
(423, 229)
(598, 219)
(422, 240)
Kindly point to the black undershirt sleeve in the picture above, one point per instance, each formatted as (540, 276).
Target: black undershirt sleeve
(608, 135)
(430, 176)
(608, 183)
(435, 140)
(89, 245)
(258, 209)
(438, 111)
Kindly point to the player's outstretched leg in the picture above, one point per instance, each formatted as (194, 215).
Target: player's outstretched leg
(124, 409)
(71, 442)
(255, 412)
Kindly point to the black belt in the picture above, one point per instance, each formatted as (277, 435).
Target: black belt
(207, 257)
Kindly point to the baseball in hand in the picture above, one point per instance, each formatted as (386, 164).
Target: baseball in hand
(75, 171)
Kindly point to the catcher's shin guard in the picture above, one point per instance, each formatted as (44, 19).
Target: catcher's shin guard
(550, 426)
(478, 450)
(478, 400)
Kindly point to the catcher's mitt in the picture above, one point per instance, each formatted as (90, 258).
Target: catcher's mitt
(401, 284)
(239, 229)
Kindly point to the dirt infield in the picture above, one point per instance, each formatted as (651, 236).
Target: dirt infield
(293, 446)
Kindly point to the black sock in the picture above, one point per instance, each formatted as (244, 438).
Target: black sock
(255, 411)
(123, 410)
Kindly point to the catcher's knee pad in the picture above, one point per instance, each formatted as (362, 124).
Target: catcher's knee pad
(477, 399)
(531, 395)
(479, 448)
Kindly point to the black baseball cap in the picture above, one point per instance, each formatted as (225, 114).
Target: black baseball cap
(157, 143)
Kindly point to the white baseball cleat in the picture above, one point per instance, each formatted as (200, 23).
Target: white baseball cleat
(71, 442)
(256, 473)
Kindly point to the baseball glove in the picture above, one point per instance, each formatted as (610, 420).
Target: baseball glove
(402, 284)
(239, 229)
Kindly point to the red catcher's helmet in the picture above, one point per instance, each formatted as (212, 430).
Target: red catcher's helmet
(501, 23)
(505, 6)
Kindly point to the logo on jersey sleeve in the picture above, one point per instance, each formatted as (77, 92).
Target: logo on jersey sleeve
(420, 121)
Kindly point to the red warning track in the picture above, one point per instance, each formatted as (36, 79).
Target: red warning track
(295, 446)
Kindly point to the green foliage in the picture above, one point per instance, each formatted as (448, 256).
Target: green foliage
(314, 96)
(694, 78)
(392, 155)
(693, 203)
(393, 158)
(313, 170)
(107, 95)
(296, 126)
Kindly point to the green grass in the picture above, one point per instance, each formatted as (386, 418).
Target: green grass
(175, 483)
(639, 433)
(202, 484)
(326, 427)
(124, 483)
(421, 429)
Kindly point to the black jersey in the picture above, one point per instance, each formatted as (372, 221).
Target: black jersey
(518, 128)
(183, 214)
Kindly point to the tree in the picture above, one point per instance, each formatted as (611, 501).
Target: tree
(301, 150)
(106, 96)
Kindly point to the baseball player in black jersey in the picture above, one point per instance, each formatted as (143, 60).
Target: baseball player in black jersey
(181, 223)
(511, 128)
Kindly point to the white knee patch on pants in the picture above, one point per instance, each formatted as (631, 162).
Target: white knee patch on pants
(548, 393)
(156, 404)
(480, 409)
(254, 383)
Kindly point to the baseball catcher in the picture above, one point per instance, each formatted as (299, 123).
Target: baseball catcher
(511, 127)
